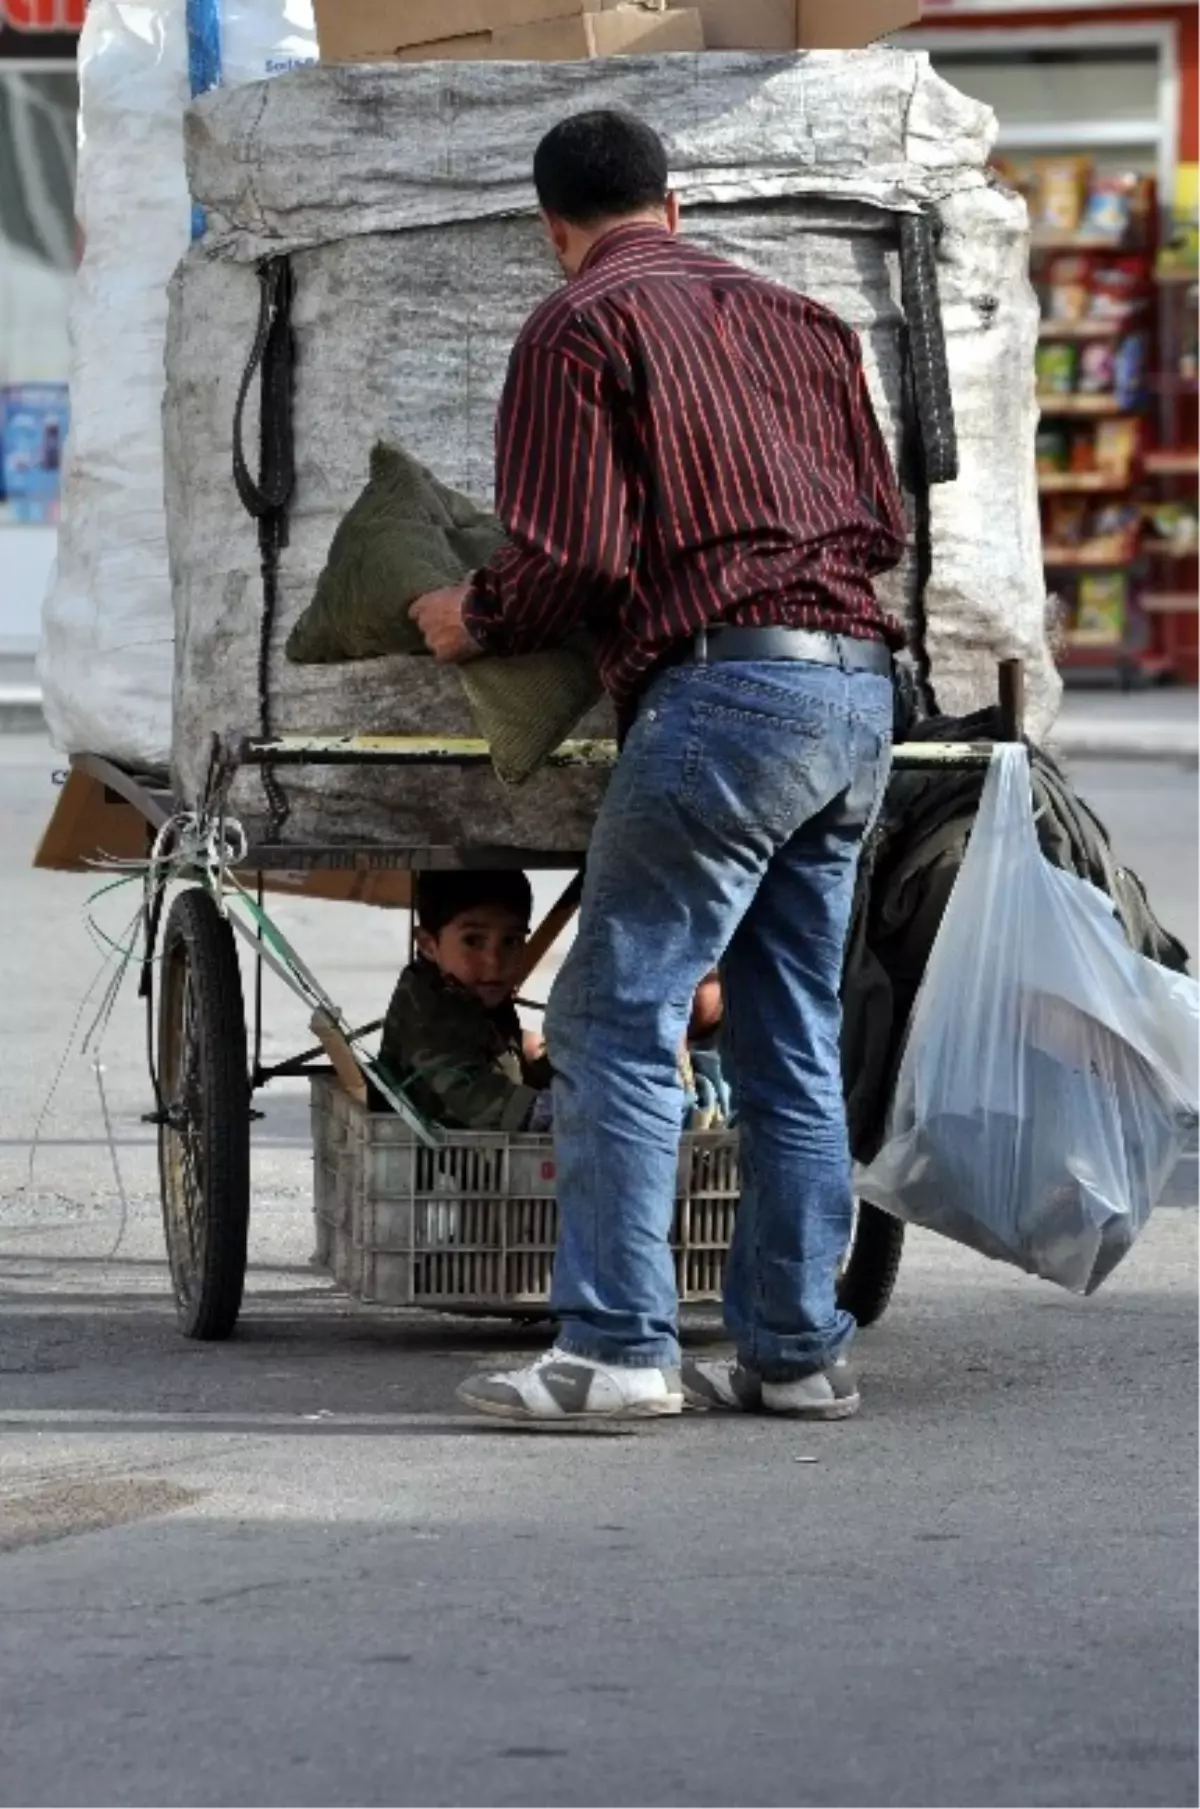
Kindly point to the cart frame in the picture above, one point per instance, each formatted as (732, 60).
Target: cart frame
(206, 1061)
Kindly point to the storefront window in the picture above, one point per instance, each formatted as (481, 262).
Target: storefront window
(37, 261)
(1106, 99)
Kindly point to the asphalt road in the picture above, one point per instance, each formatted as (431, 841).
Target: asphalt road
(282, 1571)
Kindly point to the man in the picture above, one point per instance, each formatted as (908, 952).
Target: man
(688, 464)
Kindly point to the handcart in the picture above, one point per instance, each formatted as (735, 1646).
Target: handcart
(407, 1214)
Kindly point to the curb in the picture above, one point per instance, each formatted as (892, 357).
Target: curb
(1086, 744)
(21, 711)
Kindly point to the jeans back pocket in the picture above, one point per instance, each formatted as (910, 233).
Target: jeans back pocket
(762, 772)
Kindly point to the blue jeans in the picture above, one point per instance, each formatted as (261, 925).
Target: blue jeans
(730, 835)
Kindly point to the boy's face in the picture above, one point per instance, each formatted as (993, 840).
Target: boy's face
(481, 951)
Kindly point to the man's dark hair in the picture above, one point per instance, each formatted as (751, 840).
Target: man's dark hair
(441, 897)
(599, 166)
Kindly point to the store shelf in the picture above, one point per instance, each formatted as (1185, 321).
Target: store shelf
(1089, 407)
(1168, 602)
(1045, 240)
(1167, 549)
(1169, 278)
(1089, 643)
(1172, 464)
(1081, 483)
(1078, 559)
(1083, 329)
(1113, 656)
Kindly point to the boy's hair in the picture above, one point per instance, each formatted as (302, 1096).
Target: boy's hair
(441, 897)
(599, 166)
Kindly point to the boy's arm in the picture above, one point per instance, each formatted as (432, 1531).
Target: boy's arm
(479, 1098)
(535, 1063)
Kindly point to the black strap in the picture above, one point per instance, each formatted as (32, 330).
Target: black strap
(266, 498)
(930, 446)
(919, 297)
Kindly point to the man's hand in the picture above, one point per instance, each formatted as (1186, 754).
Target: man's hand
(439, 616)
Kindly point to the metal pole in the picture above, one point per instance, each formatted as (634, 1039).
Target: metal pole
(1012, 700)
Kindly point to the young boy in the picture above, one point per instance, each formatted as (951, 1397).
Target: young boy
(452, 1038)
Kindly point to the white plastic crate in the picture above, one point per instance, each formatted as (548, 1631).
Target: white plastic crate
(473, 1223)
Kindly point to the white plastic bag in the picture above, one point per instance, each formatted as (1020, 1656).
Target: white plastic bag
(1049, 1070)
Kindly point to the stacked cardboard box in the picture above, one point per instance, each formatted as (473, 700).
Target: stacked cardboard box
(358, 31)
(803, 24)
(616, 31)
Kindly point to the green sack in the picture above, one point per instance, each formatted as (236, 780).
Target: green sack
(527, 706)
(408, 534)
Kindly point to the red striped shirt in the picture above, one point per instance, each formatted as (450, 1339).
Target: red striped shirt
(680, 443)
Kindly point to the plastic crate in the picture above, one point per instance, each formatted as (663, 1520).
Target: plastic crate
(473, 1223)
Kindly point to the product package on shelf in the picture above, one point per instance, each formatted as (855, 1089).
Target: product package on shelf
(1179, 253)
(33, 431)
(108, 631)
(401, 195)
(1101, 614)
(1174, 525)
(1095, 339)
(1078, 456)
(1070, 198)
(1082, 532)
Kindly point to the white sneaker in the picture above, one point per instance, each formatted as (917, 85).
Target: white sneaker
(828, 1394)
(560, 1387)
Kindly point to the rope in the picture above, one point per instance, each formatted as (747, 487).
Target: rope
(266, 498)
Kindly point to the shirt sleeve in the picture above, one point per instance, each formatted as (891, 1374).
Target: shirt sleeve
(877, 483)
(564, 499)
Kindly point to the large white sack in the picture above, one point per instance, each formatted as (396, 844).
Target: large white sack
(403, 196)
(108, 628)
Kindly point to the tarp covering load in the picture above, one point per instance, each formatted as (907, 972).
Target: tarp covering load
(108, 627)
(401, 198)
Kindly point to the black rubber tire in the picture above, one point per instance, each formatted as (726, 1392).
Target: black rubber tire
(872, 1266)
(204, 1144)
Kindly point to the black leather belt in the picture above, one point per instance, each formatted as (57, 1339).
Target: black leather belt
(712, 645)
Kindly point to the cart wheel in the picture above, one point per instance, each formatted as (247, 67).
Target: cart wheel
(872, 1265)
(204, 1139)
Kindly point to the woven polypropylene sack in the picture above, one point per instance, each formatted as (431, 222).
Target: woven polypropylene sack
(402, 197)
(108, 628)
(527, 706)
(407, 534)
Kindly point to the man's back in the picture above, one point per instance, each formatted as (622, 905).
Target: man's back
(746, 480)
